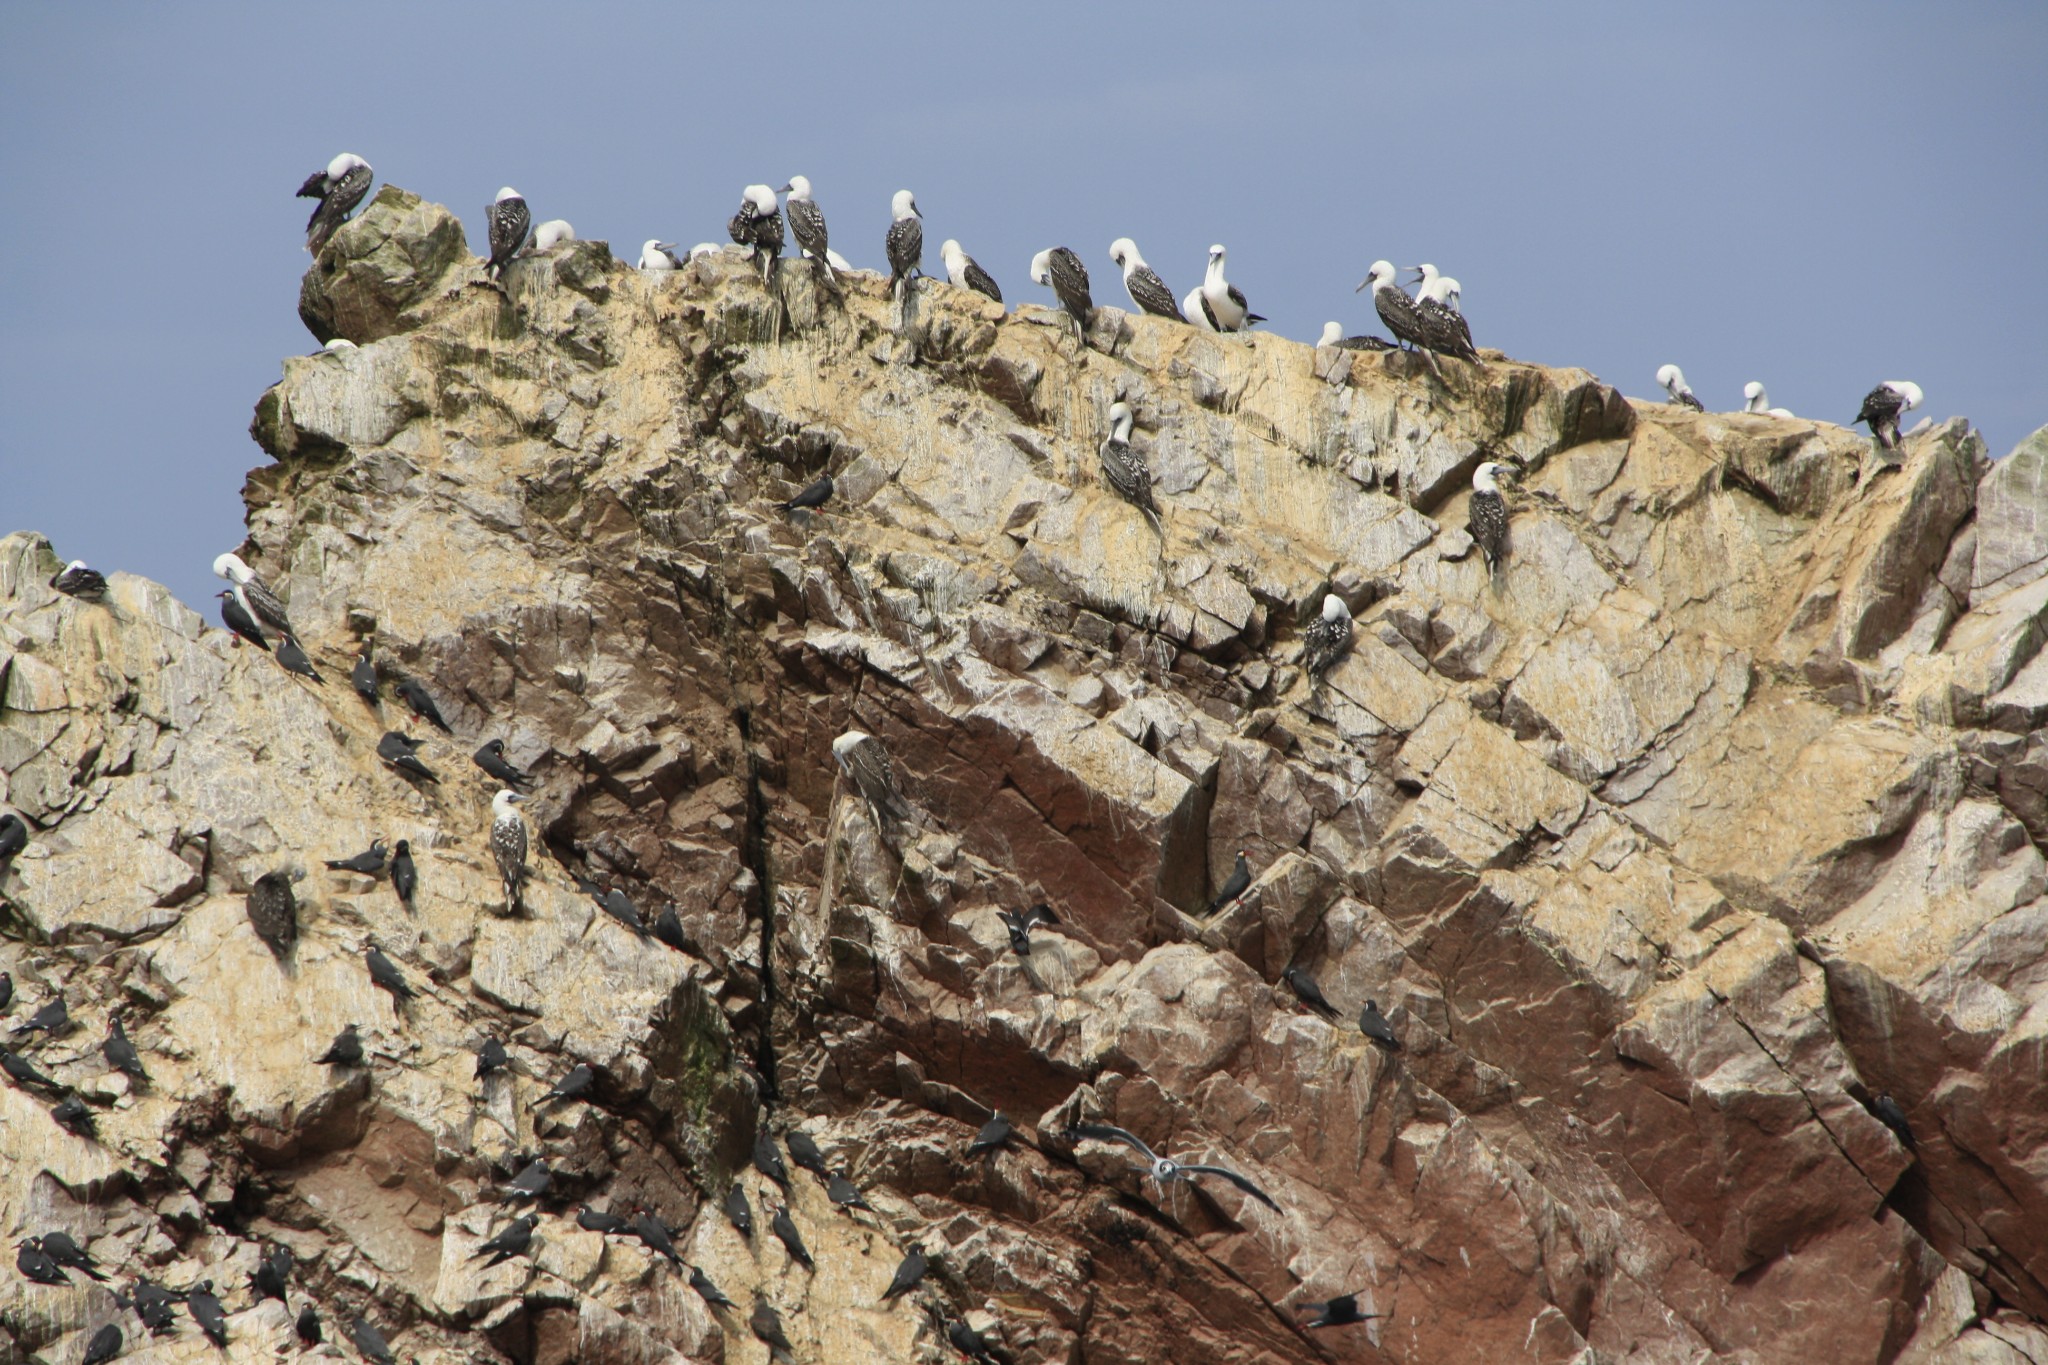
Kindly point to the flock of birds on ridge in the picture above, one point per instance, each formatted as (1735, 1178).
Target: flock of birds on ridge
(1429, 322)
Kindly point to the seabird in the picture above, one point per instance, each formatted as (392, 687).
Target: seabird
(1197, 309)
(345, 1050)
(370, 1341)
(1335, 1312)
(669, 930)
(397, 752)
(703, 249)
(1142, 282)
(308, 1325)
(807, 222)
(363, 677)
(531, 1183)
(994, 1135)
(19, 1067)
(239, 621)
(970, 1343)
(1755, 400)
(962, 270)
(656, 254)
(909, 1272)
(804, 1152)
(552, 234)
(53, 1020)
(758, 225)
(784, 1228)
(1882, 407)
(508, 221)
(405, 878)
(294, 659)
(653, 1234)
(1235, 885)
(706, 1290)
(491, 1058)
(1165, 1170)
(122, 1054)
(862, 757)
(386, 977)
(34, 1265)
(206, 1310)
(1893, 1117)
(738, 1210)
(274, 911)
(1017, 923)
(1226, 301)
(1062, 270)
(1449, 332)
(1396, 309)
(491, 758)
(416, 697)
(13, 839)
(619, 907)
(1486, 519)
(339, 189)
(813, 496)
(1374, 1025)
(846, 1194)
(768, 1161)
(508, 845)
(369, 862)
(574, 1086)
(767, 1325)
(104, 1346)
(272, 1279)
(603, 1224)
(516, 1239)
(905, 241)
(335, 346)
(255, 596)
(154, 1304)
(7, 979)
(1327, 638)
(59, 1247)
(1673, 380)
(1307, 991)
(1124, 467)
(1333, 335)
(76, 580)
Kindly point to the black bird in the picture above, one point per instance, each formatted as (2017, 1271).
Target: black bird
(104, 1346)
(669, 929)
(121, 1054)
(308, 1325)
(206, 1310)
(13, 839)
(1889, 1114)
(239, 621)
(405, 878)
(805, 1153)
(516, 1238)
(76, 580)
(17, 1066)
(1165, 1170)
(273, 1273)
(423, 708)
(768, 1161)
(1234, 886)
(739, 1212)
(59, 1247)
(846, 1194)
(6, 985)
(994, 1135)
(369, 862)
(784, 1227)
(908, 1273)
(970, 1343)
(531, 1183)
(397, 751)
(814, 495)
(1308, 992)
(606, 1224)
(274, 911)
(54, 1019)
(345, 1050)
(623, 910)
(294, 659)
(34, 1264)
(370, 1341)
(574, 1086)
(1018, 924)
(386, 977)
(1374, 1025)
(767, 1325)
(708, 1291)
(654, 1235)
(154, 1304)
(491, 1058)
(491, 758)
(363, 677)
(1336, 1312)
(74, 1118)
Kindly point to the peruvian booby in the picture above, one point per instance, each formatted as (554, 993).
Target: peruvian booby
(255, 596)
(1487, 518)
(758, 225)
(1142, 282)
(507, 220)
(904, 244)
(339, 189)
(552, 234)
(962, 270)
(1227, 306)
(1164, 1170)
(1448, 330)
(1327, 638)
(1061, 270)
(1333, 335)
(862, 757)
(656, 254)
(508, 845)
(1755, 400)
(1673, 380)
(1882, 407)
(274, 911)
(1123, 466)
(1017, 924)
(807, 223)
(76, 580)
(1396, 309)
(1196, 307)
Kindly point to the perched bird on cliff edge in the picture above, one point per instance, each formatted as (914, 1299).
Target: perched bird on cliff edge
(1486, 519)
(154, 1304)
(206, 1310)
(804, 1152)
(845, 1194)
(1889, 1113)
(370, 1342)
(654, 1234)
(807, 223)
(35, 1266)
(121, 1054)
(307, 1325)
(758, 225)
(294, 660)
(1333, 335)
(339, 188)
(963, 271)
(405, 878)
(76, 580)
(1142, 282)
(1197, 309)
(362, 676)
(23, 1072)
(396, 750)
(1327, 638)
(738, 1210)
(550, 235)
(531, 1184)
(1062, 271)
(273, 1276)
(601, 1223)
(491, 1058)
(1164, 1170)
(1673, 380)
(239, 621)
(1449, 333)
(971, 1343)
(507, 221)
(255, 596)
(767, 1160)
(784, 1228)
(909, 1272)
(706, 1290)
(369, 862)
(59, 1247)
(767, 1325)
(274, 911)
(657, 255)
(508, 846)
(422, 705)
(1017, 924)
(345, 1050)
(1755, 400)
(994, 1135)
(1335, 1312)
(386, 977)
(1124, 468)
(1398, 311)
(53, 1020)
(1374, 1025)
(811, 498)
(574, 1086)
(491, 758)
(904, 243)
(514, 1240)
(862, 757)
(1235, 885)
(104, 1346)
(1307, 991)
(1882, 406)
(1226, 301)
(621, 908)
(668, 929)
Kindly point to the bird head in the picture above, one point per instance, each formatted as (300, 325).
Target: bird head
(761, 198)
(799, 187)
(1754, 397)
(1484, 478)
(1216, 253)
(950, 253)
(1120, 419)
(506, 193)
(502, 803)
(1381, 274)
(1334, 608)
(1124, 252)
(1671, 377)
(1332, 334)
(903, 204)
(1906, 389)
(231, 567)
(1041, 266)
(843, 747)
(343, 164)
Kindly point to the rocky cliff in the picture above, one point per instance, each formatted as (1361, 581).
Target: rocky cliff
(1716, 813)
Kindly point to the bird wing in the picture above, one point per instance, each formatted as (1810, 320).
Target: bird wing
(1109, 1132)
(980, 281)
(1234, 1178)
(1040, 914)
(904, 245)
(509, 221)
(1070, 282)
(266, 605)
(1150, 293)
(807, 225)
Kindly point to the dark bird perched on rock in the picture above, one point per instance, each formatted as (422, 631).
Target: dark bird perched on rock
(74, 1118)
(491, 758)
(574, 1086)
(274, 911)
(784, 1228)
(1374, 1025)
(206, 1310)
(971, 1343)
(421, 704)
(1142, 282)
(386, 977)
(908, 1273)
(491, 1058)
(339, 188)
(1017, 923)
(508, 846)
(739, 1212)
(1333, 335)
(758, 224)
(238, 620)
(273, 1273)
(846, 1194)
(59, 1247)
(1486, 519)
(805, 1153)
(1397, 310)
(994, 1134)
(76, 580)
(1165, 1170)
(6, 984)
(708, 1291)
(294, 659)
(53, 1019)
(669, 929)
(13, 839)
(767, 1160)
(812, 497)
(530, 1184)
(370, 1342)
(604, 1224)
(767, 1325)
(1327, 638)
(397, 752)
(405, 878)
(154, 1304)
(345, 1050)
(507, 221)
(121, 1054)
(1336, 1312)
(623, 910)
(1235, 885)
(514, 1240)
(1882, 407)
(653, 1233)
(104, 1346)
(363, 677)
(35, 1264)
(17, 1066)
(862, 757)
(369, 862)
(308, 1325)
(1889, 1114)
(1308, 992)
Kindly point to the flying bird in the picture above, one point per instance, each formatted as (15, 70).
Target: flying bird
(1124, 467)
(369, 862)
(508, 221)
(362, 676)
(239, 621)
(1062, 270)
(1142, 282)
(491, 758)
(421, 704)
(807, 223)
(1882, 407)
(904, 243)
(784, 1228)
(1226, 301)
(1755, 400)
(491, 1058)
(1374, 1025)
(653, 1233)
(370, 1342)
(104, 1346)
(530, 1184)
(909, 1272)
(994, 1135)
(1234, 885)
(1327, 638)
(345, 1050)
(1486, 519)
(396, 750)
(53, 1020)
(813, 496)
(1333, 335)
(516, 1239)
(405, 878)
(737, 1210)
(1673, 380)
(339, 188)
(206, 1310)
(706, 1290)
(656, 254)
(508, 846)
(962, 270)
(59, 1247)
(1307, 991)
(121, 1054)
(256, 598)
(386, 977)
(1165, 1170)
(862, 757)
(76, 580)
(1335, 1312)
(274, 911)
(574, 1086)
(1017, 923)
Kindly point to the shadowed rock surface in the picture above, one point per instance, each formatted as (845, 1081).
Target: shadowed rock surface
(1734, 689)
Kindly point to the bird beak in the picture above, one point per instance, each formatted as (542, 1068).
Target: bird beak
(1363, 283)
(783, 190)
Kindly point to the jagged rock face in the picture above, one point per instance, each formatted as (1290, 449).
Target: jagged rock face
(1716, 811)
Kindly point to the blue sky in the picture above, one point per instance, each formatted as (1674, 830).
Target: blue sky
(1818, 196)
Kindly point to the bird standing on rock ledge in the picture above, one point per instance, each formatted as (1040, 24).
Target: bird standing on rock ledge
(508, 846)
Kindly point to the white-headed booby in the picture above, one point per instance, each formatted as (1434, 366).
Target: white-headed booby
(1486, 520)
(253, 594)
(1142, 282)
(962, 270)
(1124, 467)
(339, 189)
(1061, 270)
(1754, 399)
(656, 254)
(1333, 335)
(508, 845)
(1673, 380)
(1227, 306)
(1327, 637)
(904, 244)
(552, 234)
(1395, 308)
(807, 223)
(508, 221)
(1882, 407)
(76, 580)
(861, 756)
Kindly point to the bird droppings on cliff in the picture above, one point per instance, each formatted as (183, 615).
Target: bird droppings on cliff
(508, 846)
(1882, 407)
(965, 272)
(76, 580)
(345, 1050)
(1235, 885)
(574, 1086)
(339, 188)
(491, 758)
(785, 1230)
(1335, 1312)
(397, 750)
(1673, 380)
(369, 862)
(811, 498)
(1226, 301)
(1374, 1025)
(861, 757)
(1018, 923)
(1164, 1170)
(506, 223)
(1148, 292)
(1486, 518)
